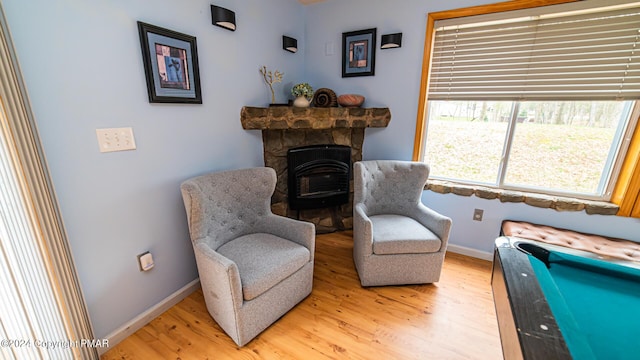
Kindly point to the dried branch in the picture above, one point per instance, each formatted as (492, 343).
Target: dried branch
(271, 78)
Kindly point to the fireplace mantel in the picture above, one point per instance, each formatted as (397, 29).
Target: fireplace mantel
(284, 128)
(286, 117)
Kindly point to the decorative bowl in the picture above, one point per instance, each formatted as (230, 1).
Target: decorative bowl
(350, 100)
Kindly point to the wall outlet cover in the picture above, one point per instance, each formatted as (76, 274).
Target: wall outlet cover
(145, 261)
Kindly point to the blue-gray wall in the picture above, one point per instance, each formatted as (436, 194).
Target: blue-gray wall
(82, 66)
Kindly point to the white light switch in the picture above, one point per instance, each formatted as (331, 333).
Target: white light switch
(329, 48)
(116, 139)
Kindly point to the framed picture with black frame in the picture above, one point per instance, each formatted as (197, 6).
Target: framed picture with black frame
(359, 53)
(170, 65)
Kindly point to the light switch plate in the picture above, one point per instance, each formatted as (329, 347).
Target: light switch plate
(116, 139)
(329, 48)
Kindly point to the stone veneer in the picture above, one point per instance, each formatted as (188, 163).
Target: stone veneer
(284, 128)
(538, 200)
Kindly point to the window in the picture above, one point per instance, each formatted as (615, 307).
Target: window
(567, 147)
(540, 99)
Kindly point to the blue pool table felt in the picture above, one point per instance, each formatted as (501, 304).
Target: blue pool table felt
(596, 305)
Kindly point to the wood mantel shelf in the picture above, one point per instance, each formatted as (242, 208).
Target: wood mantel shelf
(286, 117)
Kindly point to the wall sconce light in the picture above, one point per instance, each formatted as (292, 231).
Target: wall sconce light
(224, 18)
(290, 44)
(390, 41)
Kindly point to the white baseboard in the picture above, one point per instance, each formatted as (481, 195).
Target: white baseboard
(143, 319)
(470, 252)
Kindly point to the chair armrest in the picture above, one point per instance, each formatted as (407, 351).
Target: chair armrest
(362, 231)
(219, 278)
(301, 232)
(434, 221)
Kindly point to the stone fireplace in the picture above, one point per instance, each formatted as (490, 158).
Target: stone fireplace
(284, 128)
(318, 176)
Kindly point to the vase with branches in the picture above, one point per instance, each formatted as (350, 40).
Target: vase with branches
(271, 78)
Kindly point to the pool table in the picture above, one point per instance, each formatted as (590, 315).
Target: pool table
(554, 302)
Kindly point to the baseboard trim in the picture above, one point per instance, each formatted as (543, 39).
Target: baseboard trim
(143, 319)
(470, 252)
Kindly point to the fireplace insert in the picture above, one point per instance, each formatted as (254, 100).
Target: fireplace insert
(318, 176)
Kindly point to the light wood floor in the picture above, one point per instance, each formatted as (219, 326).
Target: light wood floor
(451, 319)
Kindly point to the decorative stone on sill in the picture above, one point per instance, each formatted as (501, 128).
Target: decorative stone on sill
(512, 196)
(601, 208)
(273, 118)
(568, 204)
(485, 193)
(463, 190)
(538, 200)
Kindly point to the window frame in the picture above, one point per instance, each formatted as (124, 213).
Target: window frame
(626, 192)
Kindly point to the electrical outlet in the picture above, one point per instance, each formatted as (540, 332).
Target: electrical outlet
(116, 139)
(145, 261)
(477, 214)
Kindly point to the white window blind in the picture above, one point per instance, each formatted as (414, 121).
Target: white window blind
(28, 311)
(589, 50)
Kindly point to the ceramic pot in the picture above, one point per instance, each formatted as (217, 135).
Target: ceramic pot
(350, 100)
(301, 101)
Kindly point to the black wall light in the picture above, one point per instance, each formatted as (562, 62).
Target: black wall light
(290, 44)
(224, 18)
(390, 41)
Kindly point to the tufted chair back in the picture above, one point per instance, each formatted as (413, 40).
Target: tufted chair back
(225, 205)
(389, 186)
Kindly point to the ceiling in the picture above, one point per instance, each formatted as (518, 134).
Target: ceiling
(307, 2)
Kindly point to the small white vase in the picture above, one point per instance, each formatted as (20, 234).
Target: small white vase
(301, 101)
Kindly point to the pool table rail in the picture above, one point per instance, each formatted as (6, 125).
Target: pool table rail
(528, 329)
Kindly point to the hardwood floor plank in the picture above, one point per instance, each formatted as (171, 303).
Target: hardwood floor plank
(451, 319)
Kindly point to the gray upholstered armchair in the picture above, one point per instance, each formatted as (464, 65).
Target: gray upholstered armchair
(396, 239)
(254, 266)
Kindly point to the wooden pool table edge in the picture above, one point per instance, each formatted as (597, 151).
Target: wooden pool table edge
(520, 305)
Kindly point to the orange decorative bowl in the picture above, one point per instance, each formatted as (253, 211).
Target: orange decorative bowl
(350, 100)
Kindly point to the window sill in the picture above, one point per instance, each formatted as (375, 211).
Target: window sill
(538, 200)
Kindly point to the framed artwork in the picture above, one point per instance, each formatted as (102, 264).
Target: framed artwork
(170, 65)
(359, 53)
